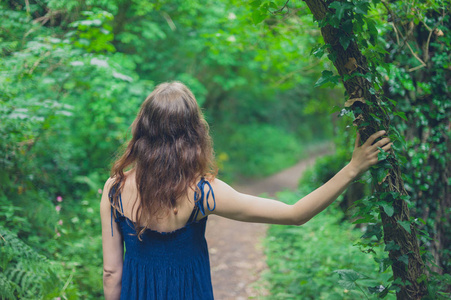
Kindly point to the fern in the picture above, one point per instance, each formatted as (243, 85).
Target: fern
(7, 287)
(25, 273)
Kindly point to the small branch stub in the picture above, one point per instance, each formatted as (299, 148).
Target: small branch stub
(357, 121)
(351, 65)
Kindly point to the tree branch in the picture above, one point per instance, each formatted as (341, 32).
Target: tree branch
(280, 9)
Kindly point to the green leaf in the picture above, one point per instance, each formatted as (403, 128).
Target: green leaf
(347, 26)
(327, 77)
(393, 102)
(421, 220)
(273, 5)
(405, 225)
(348, 278)
(335, 109)
(373, 230)
(382, 155)
(318, 51)
(340, 8)
(372, 30)
(381, 173)
(401, 114)
(384, 263)
(361, 7)
(345, 40)
(258, 17)
(256, 3)
(389, 210)
(391, 246)
(404, 258)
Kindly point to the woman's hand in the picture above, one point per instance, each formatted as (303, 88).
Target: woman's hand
(365, 156)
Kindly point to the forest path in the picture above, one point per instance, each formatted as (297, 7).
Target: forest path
(236, 254)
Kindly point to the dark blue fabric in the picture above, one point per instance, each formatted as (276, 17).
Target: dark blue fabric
(168, 265)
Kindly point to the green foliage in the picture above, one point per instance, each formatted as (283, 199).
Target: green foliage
(327, 77)
(25, 274)
(74, 74)
(307, 262)
(93, 34)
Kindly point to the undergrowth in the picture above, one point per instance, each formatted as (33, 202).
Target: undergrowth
(318, 260)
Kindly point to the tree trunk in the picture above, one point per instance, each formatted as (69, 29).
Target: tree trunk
(351, 60)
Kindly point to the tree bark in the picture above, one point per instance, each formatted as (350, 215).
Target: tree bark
(347, 62)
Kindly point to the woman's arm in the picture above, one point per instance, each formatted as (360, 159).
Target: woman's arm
(234, 205)
(113, 249)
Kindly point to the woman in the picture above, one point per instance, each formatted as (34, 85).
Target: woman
(163, 188)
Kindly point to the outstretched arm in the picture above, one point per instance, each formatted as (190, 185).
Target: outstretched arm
(234, 205)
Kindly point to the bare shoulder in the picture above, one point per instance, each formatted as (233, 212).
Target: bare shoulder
(109, 182)
(106, 190)
(223, 190)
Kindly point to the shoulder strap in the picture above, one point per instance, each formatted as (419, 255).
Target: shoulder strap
(199, 200)
(110, 195)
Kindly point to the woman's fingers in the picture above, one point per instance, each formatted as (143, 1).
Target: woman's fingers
(374, 155)
(373, 137)
(382, 142)
(357, 140)
(387, 147)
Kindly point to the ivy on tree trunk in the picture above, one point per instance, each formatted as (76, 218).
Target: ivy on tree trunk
(352, 66)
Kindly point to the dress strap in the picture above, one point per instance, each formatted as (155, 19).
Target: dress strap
(110, 195)
(199, 200)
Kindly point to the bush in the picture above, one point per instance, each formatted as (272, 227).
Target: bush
(318, 260)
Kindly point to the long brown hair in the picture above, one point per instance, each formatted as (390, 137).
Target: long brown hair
(169, 150)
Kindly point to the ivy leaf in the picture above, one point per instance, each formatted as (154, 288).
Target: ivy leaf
(371, 230)
(381, 175)
(393, 102)
(389, 210)
(404, 258)
(405, 225)
(384, 293)
(273, 5)
(372, 30)
(361, 7)
(421, 220)
(348, 278)
(345, 40)
(318, 51)
(340, 8)
(401, 114)
(391, 246)
(382, 155)
(327, 77)
(347, 26)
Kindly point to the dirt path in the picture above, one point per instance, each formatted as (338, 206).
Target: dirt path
(236, 253)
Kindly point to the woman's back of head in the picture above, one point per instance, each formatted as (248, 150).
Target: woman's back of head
(169, 111)
(169, 150)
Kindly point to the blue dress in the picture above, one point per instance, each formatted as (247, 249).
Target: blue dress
(167, 265)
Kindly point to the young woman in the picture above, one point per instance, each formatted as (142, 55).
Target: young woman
(163, 188)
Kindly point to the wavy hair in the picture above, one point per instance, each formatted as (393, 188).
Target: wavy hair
(170, 149)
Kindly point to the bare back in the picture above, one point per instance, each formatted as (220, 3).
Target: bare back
(164, 221)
